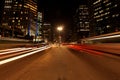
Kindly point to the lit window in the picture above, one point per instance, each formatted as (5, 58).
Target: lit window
(117, 15)
(101, 11)
(108, 4)
(13, 18)
(5, 24)
(16, 2)
(86, 22)
(25, 6)
(20, 5)
(15, 5)
(96, 13)
(105, 1)
(99, 19)
(98, 8)
(98, 16)
(18, 23)
(16, 17)
(107, 13)
(102, 15)
(97, 2)
(22, 27)
(115, 5)
(13, 12)
(113, 15)
(7, 7)
(27, 18)
(108, 26)
(107, 8)
(94, 16)
(21, 12)
(9, 26)
(13, 21)
(18, 20)
(10, 1)
(4, 12)
(106, 17)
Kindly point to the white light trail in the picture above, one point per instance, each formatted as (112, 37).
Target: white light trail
(15, 50)
(114, 36)
(24, 55)
(9, 49)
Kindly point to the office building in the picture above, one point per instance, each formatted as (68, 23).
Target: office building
(39, 32)
(82, 21)
(105, 16)
(19, 18)
(47, 32)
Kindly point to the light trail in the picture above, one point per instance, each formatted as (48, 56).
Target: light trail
(105, 37)
(9, 49)
(15, 50)
(24, 55)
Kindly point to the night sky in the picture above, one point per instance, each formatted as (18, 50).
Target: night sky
(1, 8)
(58, 11)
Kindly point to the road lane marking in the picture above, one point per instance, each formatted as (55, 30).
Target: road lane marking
(24, 55)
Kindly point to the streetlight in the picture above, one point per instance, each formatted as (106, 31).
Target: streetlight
(60, 28)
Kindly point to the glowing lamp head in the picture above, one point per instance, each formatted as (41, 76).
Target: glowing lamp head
(60, 28)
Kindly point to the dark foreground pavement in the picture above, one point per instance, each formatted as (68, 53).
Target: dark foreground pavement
(61, 63)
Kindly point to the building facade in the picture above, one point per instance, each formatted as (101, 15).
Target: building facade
(105, 16)
(47, 32)
(39, 24)
(82, 21)
(19, 18)
(39, 32)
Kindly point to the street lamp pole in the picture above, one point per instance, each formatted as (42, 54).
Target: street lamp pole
(59, 37)
(60, 28)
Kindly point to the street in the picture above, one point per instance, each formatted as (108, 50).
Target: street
(62, 63)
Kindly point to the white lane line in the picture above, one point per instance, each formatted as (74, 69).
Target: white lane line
(24, 55)
(15, 50)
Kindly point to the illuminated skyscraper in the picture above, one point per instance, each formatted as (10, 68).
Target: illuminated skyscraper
(39, 32)
(19, 18)
(82, 21)
(47, 32)
(105, 17)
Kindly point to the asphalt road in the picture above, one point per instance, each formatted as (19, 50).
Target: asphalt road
(61, 63)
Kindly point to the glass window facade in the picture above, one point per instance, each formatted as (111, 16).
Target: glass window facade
(20, 15)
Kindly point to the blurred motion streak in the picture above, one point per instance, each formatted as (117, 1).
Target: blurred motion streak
(31, 51)
(84, 49)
